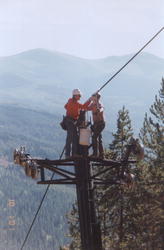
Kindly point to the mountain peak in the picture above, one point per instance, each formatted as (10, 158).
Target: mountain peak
(42, 53)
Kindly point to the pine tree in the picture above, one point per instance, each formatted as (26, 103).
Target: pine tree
(115, 200)
(152, 136)
(109, 209)
(123, 134)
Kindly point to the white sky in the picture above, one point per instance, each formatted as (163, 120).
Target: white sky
(85, 28)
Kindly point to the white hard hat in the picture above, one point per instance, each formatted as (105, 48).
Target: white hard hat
(76, 92)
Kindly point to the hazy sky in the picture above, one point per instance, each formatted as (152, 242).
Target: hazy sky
(85, 28)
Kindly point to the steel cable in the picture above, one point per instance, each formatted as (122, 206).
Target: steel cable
(46, 191)
(130, 60)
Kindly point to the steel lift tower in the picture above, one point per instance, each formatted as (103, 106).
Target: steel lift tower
(79, 171)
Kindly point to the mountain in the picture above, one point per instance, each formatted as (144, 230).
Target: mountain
(39, 132)
(43, 80)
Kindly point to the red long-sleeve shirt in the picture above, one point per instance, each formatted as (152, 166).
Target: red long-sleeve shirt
(73, 108)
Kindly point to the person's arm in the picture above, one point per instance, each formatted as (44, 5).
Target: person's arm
(90, 107)
(67, 104)
(85, 106)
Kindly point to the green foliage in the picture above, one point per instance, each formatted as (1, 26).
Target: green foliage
(74, 228)
(115, 200)
(131, 214)
(152, 135)
(123, 134)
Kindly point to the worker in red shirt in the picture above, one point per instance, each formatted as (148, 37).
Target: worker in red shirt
(73, 108)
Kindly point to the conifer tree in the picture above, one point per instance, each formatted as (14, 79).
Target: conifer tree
(111, 198)
(115, 200)
(123, 134)
(152, 135)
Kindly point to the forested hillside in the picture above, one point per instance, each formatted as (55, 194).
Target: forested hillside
(40, 133)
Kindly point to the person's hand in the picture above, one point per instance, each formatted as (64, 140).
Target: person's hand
(95, 94)
(92, 98)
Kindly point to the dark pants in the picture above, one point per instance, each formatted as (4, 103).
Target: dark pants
(72, 137)
(97, 128)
